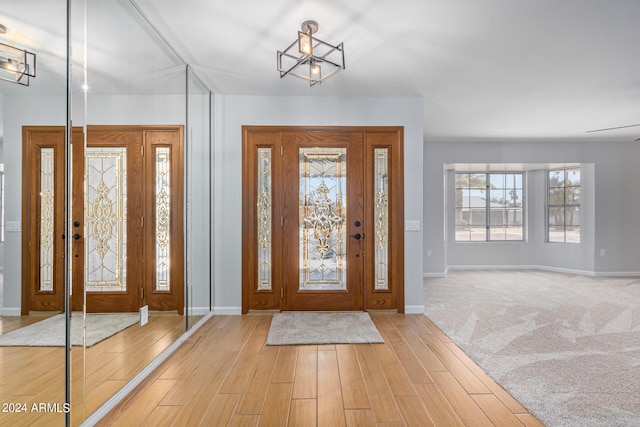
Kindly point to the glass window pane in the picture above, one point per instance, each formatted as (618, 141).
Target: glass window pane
(496, 180)
(497, 233)
(556, 196)
(477, 217)
(381, 215)
(478, 234)
(463, 234)
(572, 195)
(462, 180)
(572, 216)
(514, 233)
(573, 234)
(556, 179)
(556, 217)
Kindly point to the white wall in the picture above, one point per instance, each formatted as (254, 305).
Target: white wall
(235, 111)
(610, 206)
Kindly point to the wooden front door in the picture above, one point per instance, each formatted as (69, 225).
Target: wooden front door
(322, 219)
(126, 243)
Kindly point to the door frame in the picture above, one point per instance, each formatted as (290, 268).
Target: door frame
(271, 137)
(151, 136)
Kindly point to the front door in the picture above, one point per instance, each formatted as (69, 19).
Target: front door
(322, 218)
(126, 242)
(322, 227)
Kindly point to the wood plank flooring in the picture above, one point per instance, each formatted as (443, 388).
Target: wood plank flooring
(35, 375)
(226, 376)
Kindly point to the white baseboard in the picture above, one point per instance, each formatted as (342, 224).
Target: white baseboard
(493, 267)
(564, 270)
(198, 311)
(10, 311)
(227, 311)
(535, 267)
(434, 275)
(414, 309)
(617, 273)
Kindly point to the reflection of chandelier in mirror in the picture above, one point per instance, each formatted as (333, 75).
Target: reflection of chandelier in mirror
(16, 65)
(310, 58)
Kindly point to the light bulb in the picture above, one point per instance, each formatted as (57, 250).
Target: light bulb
(305, 45)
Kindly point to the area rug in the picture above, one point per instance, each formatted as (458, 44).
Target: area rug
(51, 331)
(567, 347)
(297, 328)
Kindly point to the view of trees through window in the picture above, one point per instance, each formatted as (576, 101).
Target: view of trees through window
(489, 206)
(563, 206)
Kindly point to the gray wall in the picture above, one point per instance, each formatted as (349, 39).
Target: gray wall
(610, 207)
(235, 111)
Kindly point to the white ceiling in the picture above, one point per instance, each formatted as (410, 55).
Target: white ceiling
(486, 69)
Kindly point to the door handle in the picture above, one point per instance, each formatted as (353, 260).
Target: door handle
(358, 236)
(76, 236)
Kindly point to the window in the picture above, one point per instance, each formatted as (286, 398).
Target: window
(563, 206)
(489, 207)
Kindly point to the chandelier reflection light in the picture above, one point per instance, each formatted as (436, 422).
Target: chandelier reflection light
(310, 58)
(16, 65)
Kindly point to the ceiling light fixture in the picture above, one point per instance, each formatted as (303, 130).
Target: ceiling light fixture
(16, 65)
(310, 58)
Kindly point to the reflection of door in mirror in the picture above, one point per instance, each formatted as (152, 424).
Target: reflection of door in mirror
(127, 239)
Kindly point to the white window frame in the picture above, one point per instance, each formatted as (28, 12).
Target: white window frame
(566, 204)
(487, 208)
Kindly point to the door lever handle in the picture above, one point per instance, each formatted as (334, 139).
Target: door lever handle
(358, 236)
(76, 236)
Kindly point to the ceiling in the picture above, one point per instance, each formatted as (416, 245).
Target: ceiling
(486, 69)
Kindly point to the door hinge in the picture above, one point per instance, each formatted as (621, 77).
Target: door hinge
(142, 293)
(281, 293)
(142, 221)
(142, 150)
(281, 151)
(281, 221)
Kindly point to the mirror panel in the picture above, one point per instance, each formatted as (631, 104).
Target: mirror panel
(32, 139)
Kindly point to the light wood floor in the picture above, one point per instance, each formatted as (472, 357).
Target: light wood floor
(226, 376)
(31, 375)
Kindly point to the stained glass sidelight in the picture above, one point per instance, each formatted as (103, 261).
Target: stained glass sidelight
(106, 219)
(322, 220)
(381, 217)
(46, 219)
(163, 218)
(264, 219)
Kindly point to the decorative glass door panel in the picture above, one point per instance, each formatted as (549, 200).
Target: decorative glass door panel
(323, 219)
(47, 203)
(106, 219)
(163, 218)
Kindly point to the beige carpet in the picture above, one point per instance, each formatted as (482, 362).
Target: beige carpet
(302, 327)
(51, 331)
(566, 346)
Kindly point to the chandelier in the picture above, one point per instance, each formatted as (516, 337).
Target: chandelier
(310, 58)
(16, 65)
